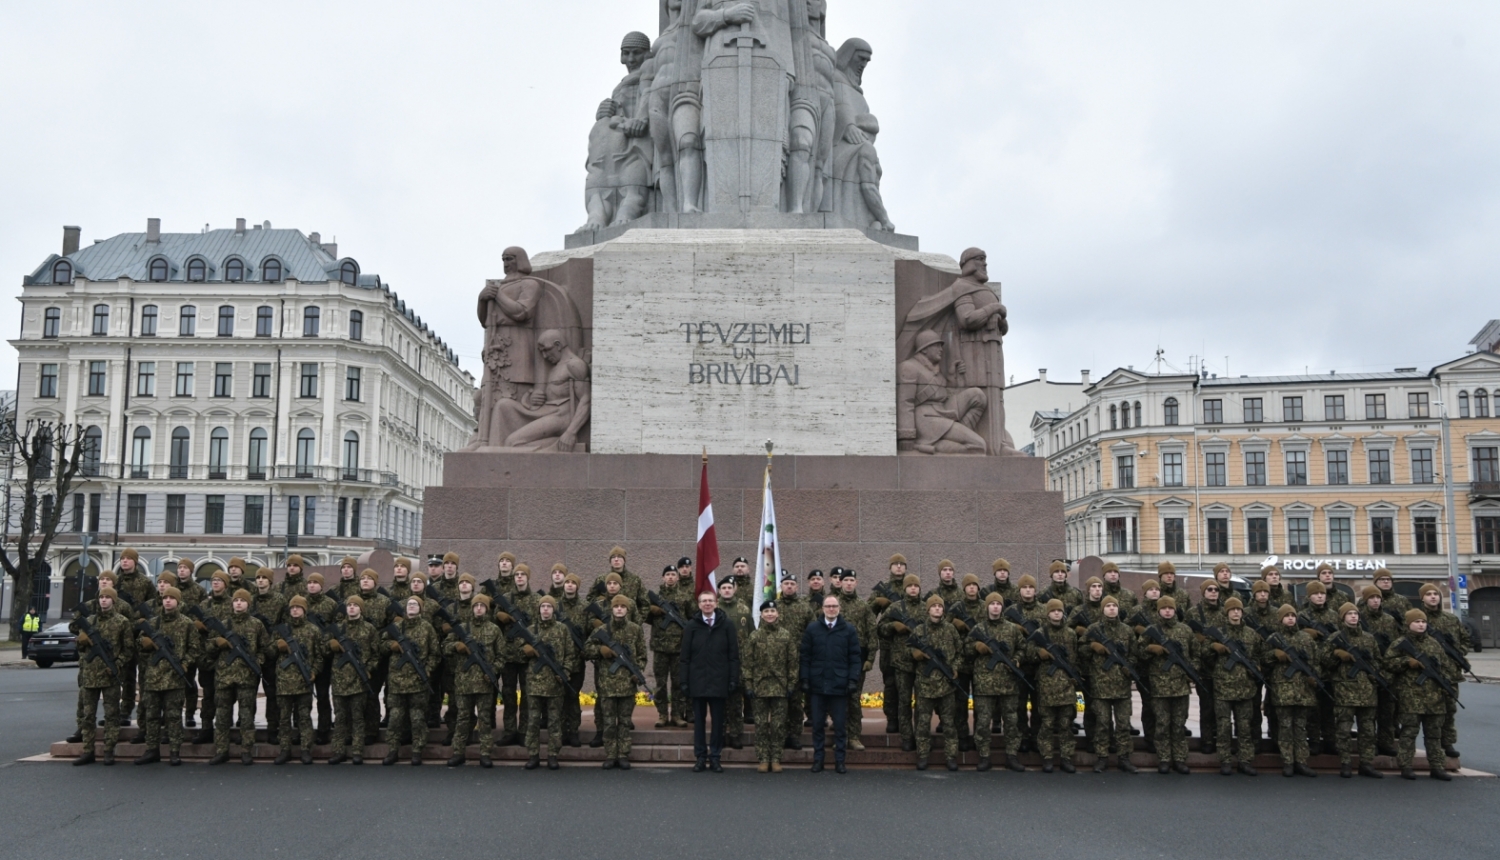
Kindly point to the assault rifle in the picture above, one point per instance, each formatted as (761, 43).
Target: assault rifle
(1451, 649)
(408, 654)
(1117, 657)
(1382, 640)
(348, 651)
(1324, 630)
(296, 654)
(999, 653)
(666, 607)
(1296, 662)
(957, 615)
(1013, 613)
(1174, 655)
(237, 649)
(1059, 656)
(544, 654)
(163, 644)
(934, 656)
(622, 656)
(1235, 647)
(476, 655)
(1361, 661)
(1429, 669)
(518, 617)
(99, 647)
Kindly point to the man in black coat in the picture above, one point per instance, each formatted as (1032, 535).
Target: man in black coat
(710, 669)
(830, 673)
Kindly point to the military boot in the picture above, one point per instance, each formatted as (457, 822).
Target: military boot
(1247, 770)
(763, 767)
(597, 740)
(282, 758)
(390, 757)
(457, 760)
(246, 758)
(485, 762)
(552, 762)
(86, 758)
(1441, 774)
(416, 757)
(1127, 766)
(148, 757)
(109, 757)
(356, 759)
(340, 758)
(1346, 771)
(1014, 763)
(533, 763)
(1100, 764)
(1450, 751)
(1226, 769)
(1407, 773)
(306, 756)
(75, 738)
(983, 765)
(175, 760)
(220, 758)
(1370, 771)
(1304, 770)
(624, 764)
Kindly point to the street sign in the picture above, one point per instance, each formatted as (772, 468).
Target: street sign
(1463, 581)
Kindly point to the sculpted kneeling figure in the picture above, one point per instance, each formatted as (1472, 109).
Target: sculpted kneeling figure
(944, 419)
(555, 411)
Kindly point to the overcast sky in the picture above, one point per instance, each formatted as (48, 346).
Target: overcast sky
(1287, 184)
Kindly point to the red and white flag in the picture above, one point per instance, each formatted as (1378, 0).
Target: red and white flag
(707, 561)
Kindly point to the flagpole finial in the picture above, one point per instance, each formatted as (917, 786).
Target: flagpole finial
(769, 446)
(705, 453)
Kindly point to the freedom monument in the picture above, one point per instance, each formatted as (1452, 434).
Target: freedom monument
(739, 279)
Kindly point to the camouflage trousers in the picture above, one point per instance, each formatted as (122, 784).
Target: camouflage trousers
(1029, 719)
(612, 714)
(1112, 727)
(921, 715)
(856, 710)
(1291, 732)
(1208, 711)
(1055, 737)
(1171, 728)
(1320, 721)
(770, 727)
(1385, 716)
(796, 713)
(295, 712)
(227, 697)
(1450, 722)
(734, 717)
(163, 708)
(349, 724)
(190, 694)
(544, 712)
(667, 690)
(961, 706)
(408, 713)
(129, 677)
(88, 706)
(990, 710)
(888, 687)
(208, 704)
(513, 698)
(572, 707)
(1235, 739)
(1431, 726)
(379, 670)
(468, 705)
(906, 686)
(273, 704)
(323, 697)
(1344, 720)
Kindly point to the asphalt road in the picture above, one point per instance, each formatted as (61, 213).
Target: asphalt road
(232, 812)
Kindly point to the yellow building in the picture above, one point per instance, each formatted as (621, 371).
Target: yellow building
(1290, 470)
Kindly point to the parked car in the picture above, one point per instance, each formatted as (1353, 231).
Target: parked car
(55, 644)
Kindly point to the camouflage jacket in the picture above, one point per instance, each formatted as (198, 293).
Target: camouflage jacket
(1063, 591)
(739, 613)
(796, 614)
(378, 609)
(1288, 686)
(1447, 623)
(771, 661)
(1007, 591)
(950, 593)
(526, 604)
(1394, 602)
(366, 640)
(963, 615)
(221, 607)
(609, 680)
(1180, 596)
(931, 682)
(540, 680)
(999, 680)
(1125, 596)
(1358, 690)
(346, 588)
(399, 590)
(289, 680)
(666, 636)
(229, 669)
(909, 613)
(270, 608)
(192, 593)
(137, 586)
(1113, 683)
(1233, 683)
(118, 634)
(324, 607)
(1034, 611)
(859, 615)
(402, 677)
(630, 586)
(1053, 686)
(1085, 615)
(1167, 679)
(291, 586)
(1325, 615)
(1380, 625)
(1281, 596)
(468, 678)
(1262, 619)
(1210, 614)
(886, 595)
(186, 647)
(1415, 693)
(444, 589)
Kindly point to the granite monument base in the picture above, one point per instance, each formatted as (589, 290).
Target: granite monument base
(849, 511)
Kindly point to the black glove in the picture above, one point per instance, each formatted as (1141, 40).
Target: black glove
(853, 687)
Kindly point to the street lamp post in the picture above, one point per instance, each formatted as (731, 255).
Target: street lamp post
(1458, 608)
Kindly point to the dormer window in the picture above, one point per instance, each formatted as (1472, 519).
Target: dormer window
(349, 273)
(270, 271)
(159, 270)
(197, 270)
(62, 272)
(234, 271)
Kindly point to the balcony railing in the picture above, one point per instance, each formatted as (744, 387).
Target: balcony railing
(1484, 490)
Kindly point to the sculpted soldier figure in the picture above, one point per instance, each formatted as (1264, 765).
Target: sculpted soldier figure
(507, 310)
(556, 410)
(809, 162)
(856, 166)
(943, 420)
(672, 81)
(619, 162)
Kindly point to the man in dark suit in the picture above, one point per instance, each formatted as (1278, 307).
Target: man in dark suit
(710, 669)
(830, 673)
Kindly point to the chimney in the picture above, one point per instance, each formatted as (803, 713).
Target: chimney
(153, 230)
(331, 249)
(239, 226)
(315, 238)
(70, 240)
(1085, 376)
(1041, 374)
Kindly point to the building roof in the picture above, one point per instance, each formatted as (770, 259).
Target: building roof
(1488, 336)
(129, 255)
(1310, 379)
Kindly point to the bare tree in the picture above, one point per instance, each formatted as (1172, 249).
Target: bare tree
(47, 456)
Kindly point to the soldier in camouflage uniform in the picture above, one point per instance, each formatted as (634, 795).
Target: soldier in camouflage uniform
(1033, 613)
(445, 587)
(474, 692)
(219, 605)
(1280, 595)
(236, 678)
(407, 691)
(1208, 613)
(886, 594)
(1294, 693)
(379, 611)
(1394, 603)
(270, 609)
(294, 689)
(544, 688)
(96, 680)
(400, 587)
(322, 611)
(349, 690)
(1002, 584)
(1056, 690)
(996, 686)
(1108, 684)
(165, 690)
(1261, 616)
(861, 617)
(1443, 625)
(734, 707)
(614, 685)
(947, 588)
(1319, 616)
(796, 614)
(1166, 574)
(348, 584)
(1422, 702)
(135, 589)
(294, 584)
(1060, 589)
(1354, 698)
(573, 609)
(771, 664)
(192, 593)
(896, 623)
(1234, 688)
(1170, 685)
(666, 648)
(1112, 588)
(934, 691)
(1080, 618)
(1145, 613)
(1380, 624)
(631, 585)
(963, 613)
(816, 589)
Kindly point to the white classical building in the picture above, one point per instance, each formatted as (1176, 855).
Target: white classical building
(246, 392)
